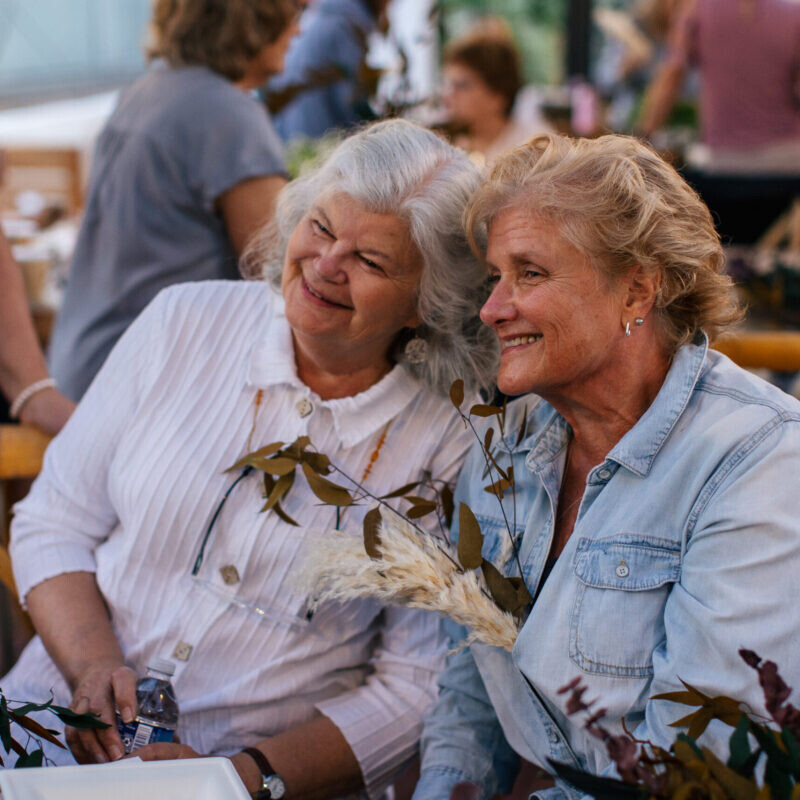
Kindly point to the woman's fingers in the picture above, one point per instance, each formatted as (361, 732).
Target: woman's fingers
(98, 694)
(163, 751)
(123, 686)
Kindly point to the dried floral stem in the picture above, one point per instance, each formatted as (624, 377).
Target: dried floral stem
(413, 570)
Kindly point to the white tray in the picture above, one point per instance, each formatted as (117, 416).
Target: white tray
(187, 779)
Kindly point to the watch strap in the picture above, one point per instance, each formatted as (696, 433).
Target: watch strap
(262, 762)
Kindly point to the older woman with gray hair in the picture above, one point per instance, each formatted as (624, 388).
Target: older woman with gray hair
(135, 543)
(657, 528)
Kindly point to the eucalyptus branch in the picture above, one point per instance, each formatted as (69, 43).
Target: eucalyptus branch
(383, 503)
(489, 469)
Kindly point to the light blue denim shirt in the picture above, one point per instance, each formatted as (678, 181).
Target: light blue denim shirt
(686, 547)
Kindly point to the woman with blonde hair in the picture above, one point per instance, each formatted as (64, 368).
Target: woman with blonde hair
(186, 169)
(657, 531)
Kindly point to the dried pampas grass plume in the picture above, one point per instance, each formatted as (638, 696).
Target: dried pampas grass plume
(414, 570)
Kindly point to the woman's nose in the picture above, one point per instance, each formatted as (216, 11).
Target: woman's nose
(499, 307)
(329, 267)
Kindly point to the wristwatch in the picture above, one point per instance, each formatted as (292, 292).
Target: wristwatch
(271, 781)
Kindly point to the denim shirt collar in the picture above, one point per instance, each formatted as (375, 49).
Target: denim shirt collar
(637, 450)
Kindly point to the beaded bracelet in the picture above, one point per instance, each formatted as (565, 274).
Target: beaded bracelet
(27, 393)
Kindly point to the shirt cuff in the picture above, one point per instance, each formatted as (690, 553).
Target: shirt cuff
(382, 731)
(35, 562)
(436, 783)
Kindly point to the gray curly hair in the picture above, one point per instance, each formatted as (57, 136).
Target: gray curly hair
(398, 167)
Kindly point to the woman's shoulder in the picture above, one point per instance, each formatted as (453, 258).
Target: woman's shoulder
(743, 389)
(216, 302)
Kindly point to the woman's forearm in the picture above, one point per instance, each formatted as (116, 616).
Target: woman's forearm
(21, 359)
(314, 760)
(71, 617)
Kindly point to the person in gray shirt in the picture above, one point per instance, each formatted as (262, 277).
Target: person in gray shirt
(186, 169)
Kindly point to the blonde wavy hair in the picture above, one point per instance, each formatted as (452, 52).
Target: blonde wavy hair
(222, 35)
(621, 205)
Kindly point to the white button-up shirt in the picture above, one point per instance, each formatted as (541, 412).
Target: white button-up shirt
(127, 492)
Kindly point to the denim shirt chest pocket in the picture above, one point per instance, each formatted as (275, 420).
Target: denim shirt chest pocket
(618, 617)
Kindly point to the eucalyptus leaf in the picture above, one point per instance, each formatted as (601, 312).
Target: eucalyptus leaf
(487, 438)
(26, 708)
(281, 465)
(446, 498)
(284, 516)
(457, 393)
(739, 744)
(26, 760)
(470, 538)
(498, 487)
(523, 429)
(401, 491)
(279, 490)
(326, 490)
(420, 510)
(372, 539)
(262, 452)
(36, 728)
(5, 724)
(80, 721)
(502, 590)
(484, 410)
(319, 462)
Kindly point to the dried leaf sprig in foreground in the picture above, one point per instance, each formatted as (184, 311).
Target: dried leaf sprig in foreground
(410, 569)
(689, 771)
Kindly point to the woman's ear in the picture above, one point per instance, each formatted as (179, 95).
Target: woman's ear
(642, 291)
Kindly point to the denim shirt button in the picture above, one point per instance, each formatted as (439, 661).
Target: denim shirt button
(622, 570)
(553, 737)
(604, 474)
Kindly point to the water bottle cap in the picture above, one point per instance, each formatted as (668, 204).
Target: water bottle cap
(162, 665)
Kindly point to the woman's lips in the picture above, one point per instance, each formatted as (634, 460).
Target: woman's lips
(320, 299)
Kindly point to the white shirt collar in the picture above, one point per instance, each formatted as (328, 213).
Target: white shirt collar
(356, 417)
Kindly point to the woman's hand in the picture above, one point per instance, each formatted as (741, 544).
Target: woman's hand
(101, 689)
(166, 751)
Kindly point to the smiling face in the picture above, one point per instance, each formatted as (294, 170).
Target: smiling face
(350, 282)
(557, 318)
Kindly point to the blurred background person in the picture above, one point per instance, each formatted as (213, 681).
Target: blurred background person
(326, 84)
(187, 167)
(748, 56)
(482, 76)
(747, 53)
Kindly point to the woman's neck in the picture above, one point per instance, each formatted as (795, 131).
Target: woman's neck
(601, 412)
(335, 375)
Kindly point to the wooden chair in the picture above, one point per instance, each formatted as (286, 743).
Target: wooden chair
(53, 172)
(775, 350)
(21, 453)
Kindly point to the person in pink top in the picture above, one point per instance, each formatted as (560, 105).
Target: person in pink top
(748, 56)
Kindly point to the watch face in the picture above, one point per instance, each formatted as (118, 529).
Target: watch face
(276, 786)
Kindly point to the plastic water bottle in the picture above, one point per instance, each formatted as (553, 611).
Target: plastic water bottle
(157, 717)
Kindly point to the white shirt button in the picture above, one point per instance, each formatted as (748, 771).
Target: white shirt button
(304, 407)
(622, 570)
(604, 474)
(182, 651)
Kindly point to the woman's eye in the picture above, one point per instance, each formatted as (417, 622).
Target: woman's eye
(371, 264)
(532, 273)
(493, 280)
(318, 226)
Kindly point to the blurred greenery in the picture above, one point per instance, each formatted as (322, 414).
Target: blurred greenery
(538, 28)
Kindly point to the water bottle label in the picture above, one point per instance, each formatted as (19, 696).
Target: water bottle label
(139, 733)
